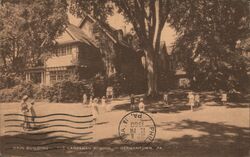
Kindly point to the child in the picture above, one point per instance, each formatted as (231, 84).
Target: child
(132, 102)
(141, 105)
(84, 99)
(224, 98)
(103, 101)
(94, 107)
(90, 101)
(165, 98)
(33, 113)
(25, 111)
(191, 100)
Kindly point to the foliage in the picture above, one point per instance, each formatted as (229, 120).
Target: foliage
(107, 48)
(67, 91)
(64, 91)
(208, 34)
(98, 86)
(27, 30)
(8, 80)
(16, 93)
(148, 19)
(167, 80)
(100, 9)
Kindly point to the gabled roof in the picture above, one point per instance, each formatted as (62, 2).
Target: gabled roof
(88, 17)
(106, 28)
(74, 34)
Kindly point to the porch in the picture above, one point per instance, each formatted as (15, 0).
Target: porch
(50, 75)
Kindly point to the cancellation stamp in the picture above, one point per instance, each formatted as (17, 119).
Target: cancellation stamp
(137, 127)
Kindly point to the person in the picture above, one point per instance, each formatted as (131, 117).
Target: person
(84, 99)
(165, 98)
(25, 111)
(94, 107)
(234, 95)
(90, 101)
(197, 99)
(224, 98)
(109, 93)
(141, 105)
(33, 114)
(132, 102)
(103, 101)
(191, 100)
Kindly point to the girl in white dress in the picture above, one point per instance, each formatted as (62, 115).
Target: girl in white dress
(84, 99)
(224, 98)
(191, 100)
(141, 105)
(94, 107)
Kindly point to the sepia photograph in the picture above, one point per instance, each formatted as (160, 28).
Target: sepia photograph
(124, 78)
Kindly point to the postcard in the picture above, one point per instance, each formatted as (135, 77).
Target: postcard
(125, 78)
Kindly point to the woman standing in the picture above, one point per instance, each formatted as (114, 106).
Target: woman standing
(33, 114)
(25, 111)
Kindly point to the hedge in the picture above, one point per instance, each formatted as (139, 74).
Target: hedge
(64, 91)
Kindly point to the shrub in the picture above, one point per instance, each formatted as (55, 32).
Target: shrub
(67, 91)
(17, 92)
(64, 91)
(97, 86)
(8, 80)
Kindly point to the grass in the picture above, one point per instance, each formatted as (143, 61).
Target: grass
(211, 130)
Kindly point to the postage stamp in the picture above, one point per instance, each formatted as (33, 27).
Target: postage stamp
(137, 127)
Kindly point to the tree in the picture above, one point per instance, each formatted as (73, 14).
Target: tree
(27, 31)
(208, 34)
(148, 18)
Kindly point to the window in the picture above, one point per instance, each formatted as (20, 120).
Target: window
(36, 77)
(56, 76)
(52, 76)
(62, 51)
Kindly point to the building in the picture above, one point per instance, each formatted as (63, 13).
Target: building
(78, 54)
(74, 52)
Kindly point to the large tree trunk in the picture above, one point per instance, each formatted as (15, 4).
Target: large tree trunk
(151, 68)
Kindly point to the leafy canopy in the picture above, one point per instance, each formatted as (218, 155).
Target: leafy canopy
(27, 30)
(208, 34)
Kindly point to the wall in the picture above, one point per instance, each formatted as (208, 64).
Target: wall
(66, 60)
(61, 61)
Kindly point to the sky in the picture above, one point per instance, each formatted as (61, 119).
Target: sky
(117, 21)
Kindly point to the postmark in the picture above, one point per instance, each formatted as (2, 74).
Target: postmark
(137, 127)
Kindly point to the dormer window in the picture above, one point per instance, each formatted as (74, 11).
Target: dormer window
(63, 51)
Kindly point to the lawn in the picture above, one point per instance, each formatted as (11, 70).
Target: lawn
(210, 130)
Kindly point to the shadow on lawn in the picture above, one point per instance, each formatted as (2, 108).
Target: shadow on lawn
(217, 139)
(231, 105)
(178, 103)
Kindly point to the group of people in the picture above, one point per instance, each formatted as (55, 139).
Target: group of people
(141, 105)
(96, 104)
(193, 100)
(28, 112)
